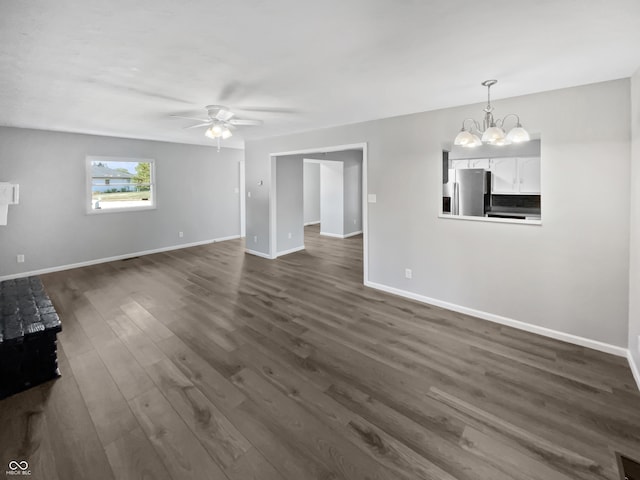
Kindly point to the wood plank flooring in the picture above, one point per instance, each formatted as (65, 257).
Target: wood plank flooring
(207, 363)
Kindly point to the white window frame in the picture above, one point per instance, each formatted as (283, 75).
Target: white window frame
(89, 179)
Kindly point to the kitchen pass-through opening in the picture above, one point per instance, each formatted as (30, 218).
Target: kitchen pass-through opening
(493, 183)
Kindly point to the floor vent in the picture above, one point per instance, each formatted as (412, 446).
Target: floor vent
(629, 469)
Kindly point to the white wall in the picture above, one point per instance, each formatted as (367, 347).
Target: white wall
(332, 198)
(634, 274)
(289, 200)
(50, 226)
(311, 188)
(570, 275)
(351, 203)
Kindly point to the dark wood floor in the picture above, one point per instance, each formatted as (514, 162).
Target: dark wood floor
(207, 363)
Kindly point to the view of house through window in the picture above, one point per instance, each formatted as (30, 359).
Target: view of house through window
(120, 183)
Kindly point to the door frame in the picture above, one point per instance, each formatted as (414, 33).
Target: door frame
(273, 247)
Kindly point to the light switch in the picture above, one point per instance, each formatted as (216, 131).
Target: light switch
(372, 198)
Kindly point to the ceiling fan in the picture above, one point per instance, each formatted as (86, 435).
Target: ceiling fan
(221, 122)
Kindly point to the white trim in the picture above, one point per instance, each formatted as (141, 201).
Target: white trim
(338, 235)
(333, 148)
(273, 208)
(547, 332)
(490, 219)
(291, 250)
(243, 205)
(258, 254)
(635, 369)
(320, 162)
(365, 214)
(97, 261)
(312, 223)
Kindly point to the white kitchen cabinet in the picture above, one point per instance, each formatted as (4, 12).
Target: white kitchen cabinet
(504, 175)
(514, 176)
(470, 163)
(459, 164)
(529, 175)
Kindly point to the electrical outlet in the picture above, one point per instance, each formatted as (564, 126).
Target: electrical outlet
(20, 258)
(355, 222)
(255, 239)
(289, 235)
(408, 273)
(249, 194)
(180, 234)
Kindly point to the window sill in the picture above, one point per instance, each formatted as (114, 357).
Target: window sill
(490, 219)
(102, 211)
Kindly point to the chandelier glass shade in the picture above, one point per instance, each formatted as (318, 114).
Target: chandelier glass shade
(490, 131)
(219, 130)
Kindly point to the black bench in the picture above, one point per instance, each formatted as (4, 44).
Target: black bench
(28, 328)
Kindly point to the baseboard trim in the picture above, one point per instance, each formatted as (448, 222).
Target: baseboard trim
(291, 250)
(258, 254)
(337, 235)
(97, 261)
(635, 369)
(311, 223)
(547, 332)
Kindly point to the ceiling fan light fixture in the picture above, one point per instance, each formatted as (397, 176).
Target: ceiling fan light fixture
(220, 124)
(216, 130)
(209, 133)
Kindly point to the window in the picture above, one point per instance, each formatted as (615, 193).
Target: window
(120, 184)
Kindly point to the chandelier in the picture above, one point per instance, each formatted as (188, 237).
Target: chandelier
(491, 131)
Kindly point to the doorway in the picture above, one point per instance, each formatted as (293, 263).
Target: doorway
(333, 193)
(286, 227)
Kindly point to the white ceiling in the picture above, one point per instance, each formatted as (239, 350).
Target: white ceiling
(121, 68)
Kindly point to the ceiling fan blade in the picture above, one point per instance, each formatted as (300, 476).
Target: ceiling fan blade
(224, 115)
(205, 124)
(191, 118)
(238, 121)
(256, 108)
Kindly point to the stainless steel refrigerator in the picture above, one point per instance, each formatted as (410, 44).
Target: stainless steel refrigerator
(467, 190)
